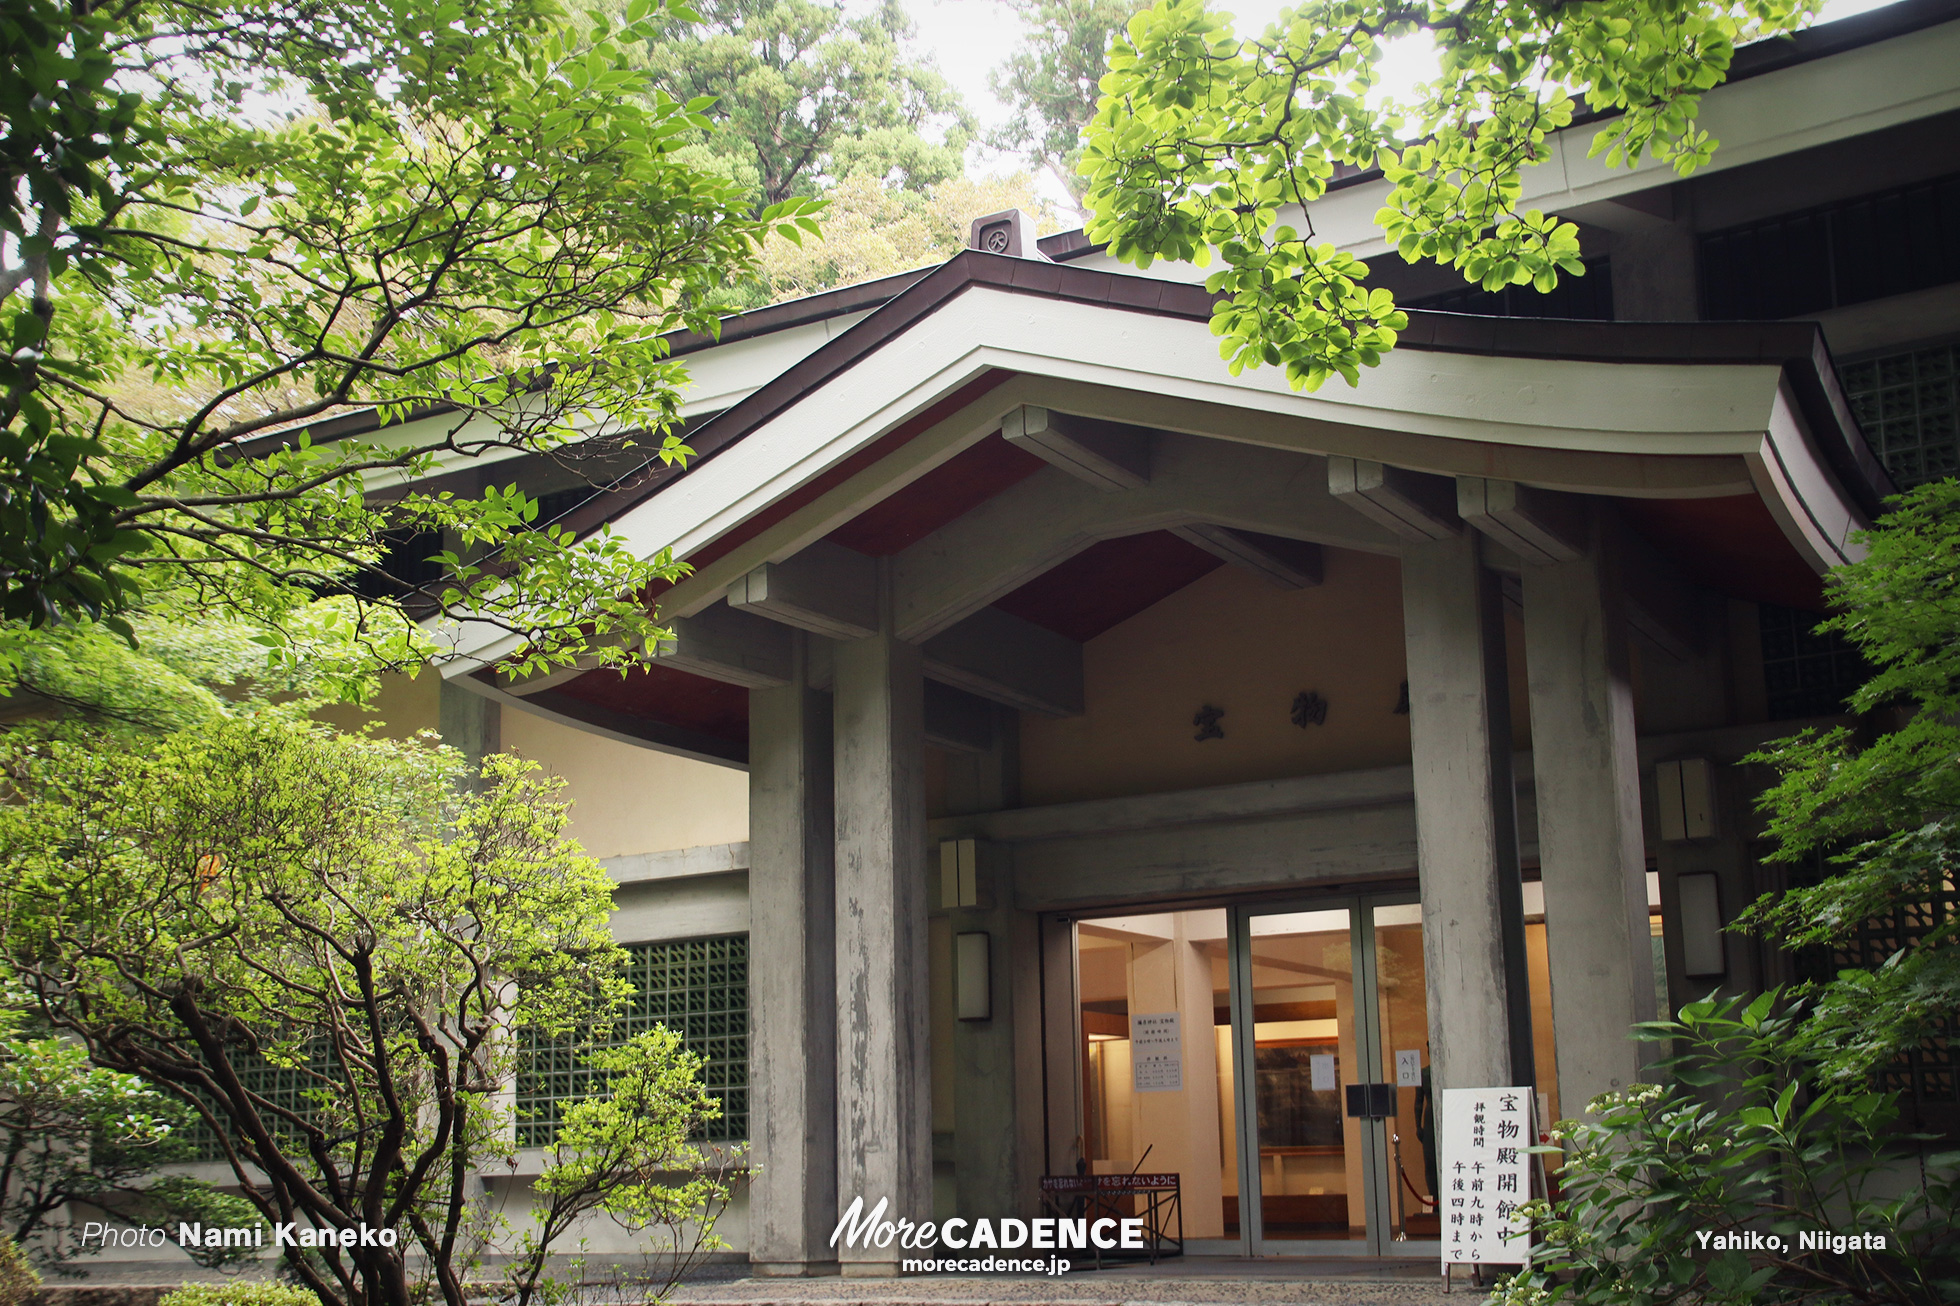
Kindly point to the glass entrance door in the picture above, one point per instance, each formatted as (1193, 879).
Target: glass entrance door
(1331, 1055)
(1275, 1059)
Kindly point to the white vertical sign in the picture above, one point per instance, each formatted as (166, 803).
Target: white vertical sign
(1408, 1068)
(1321, 1074)
(1156, 1053)
(1485, 1173)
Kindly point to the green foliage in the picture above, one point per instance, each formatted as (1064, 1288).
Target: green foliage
(1208, 144)
(627, 1154)
(74, 1134)
(17, 1277)
(263, 894)
(807, 92)
(1882, 809)
(239, 1293)
(1782, 1152)
(464, 216)
(1052, 79)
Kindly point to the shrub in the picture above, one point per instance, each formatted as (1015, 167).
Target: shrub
(240, 1293)
(17, 1277)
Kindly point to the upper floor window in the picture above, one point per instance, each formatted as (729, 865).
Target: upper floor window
(1589, 298)
(1885, 243)
(1908, 405)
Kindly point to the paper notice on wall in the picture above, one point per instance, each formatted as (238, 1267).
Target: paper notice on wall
(1320, 1071)
(1408, 1068)
(1156, 1053)
(1485, 1173)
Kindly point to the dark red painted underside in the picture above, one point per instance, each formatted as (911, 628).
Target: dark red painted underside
(950, 490)
(1108, 583)
(675, 698)
(1730, 545)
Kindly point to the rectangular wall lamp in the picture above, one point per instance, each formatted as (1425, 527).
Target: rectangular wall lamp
(1704, 949)
(959, 874)
(1686, 793)
(973, 979)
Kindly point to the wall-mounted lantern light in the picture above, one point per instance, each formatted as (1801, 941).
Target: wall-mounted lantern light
(973, 979)
(1704, 949)
(1686, 790)
(959, 873)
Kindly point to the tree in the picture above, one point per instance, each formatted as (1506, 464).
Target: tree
(873, 230)
(807, 92)
(72, 1134)
(1052, 82)
(224, 223)
(1879, 809)
(327, 949)
(1207, 144)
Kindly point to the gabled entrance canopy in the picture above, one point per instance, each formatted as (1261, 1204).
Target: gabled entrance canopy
(977, 443)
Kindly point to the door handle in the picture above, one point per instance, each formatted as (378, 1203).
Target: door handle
(1371, 1101)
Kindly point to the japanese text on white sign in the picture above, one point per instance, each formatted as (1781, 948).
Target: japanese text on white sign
(1486, 1173)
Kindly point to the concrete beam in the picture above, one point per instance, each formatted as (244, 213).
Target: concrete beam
(1289, 564)
(723, 644)
(1107, 455)
(1000, 657)
(1413, 505)
(826, 589)
(957, 721)
(1540, 526)
(1049, 517)
(792, 923)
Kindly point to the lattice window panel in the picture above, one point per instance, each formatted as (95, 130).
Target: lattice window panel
(1909, 408)
(1805, 673)
(698, 988)
(295, 1089)
(1928, 1075)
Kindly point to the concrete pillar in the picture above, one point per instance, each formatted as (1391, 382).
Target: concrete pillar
(469, 723)
(1466, 820)
(884, 1081)
(997, 1123)
(793, 981)
(1594, 864)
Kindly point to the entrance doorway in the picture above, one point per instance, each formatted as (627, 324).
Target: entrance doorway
(1277, 1059)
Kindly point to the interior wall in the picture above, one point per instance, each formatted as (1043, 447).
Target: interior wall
(1232, 641)
(633, 800)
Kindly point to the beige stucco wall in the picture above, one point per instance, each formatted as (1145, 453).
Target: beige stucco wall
(403, 707)
(1233, 641)
(633, 800)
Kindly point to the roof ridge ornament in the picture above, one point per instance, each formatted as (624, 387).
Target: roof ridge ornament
(1010, 232)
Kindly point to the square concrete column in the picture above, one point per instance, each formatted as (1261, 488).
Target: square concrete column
(1466, 817)
(884, 1070)
(997, 1091)
(792, 978)
(1589, 836)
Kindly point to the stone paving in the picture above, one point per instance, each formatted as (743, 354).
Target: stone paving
(1264, 1283)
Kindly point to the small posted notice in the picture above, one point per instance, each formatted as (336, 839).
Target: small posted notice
(1156, 1053)
(1486, 1173)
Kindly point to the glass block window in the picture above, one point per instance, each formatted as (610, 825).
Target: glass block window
(1927, 1076)
(1804, 672)
(293, 1088)
(1909, 408)
(699, 988)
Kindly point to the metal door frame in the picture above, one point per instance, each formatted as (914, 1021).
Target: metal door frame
(1377, 1180)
